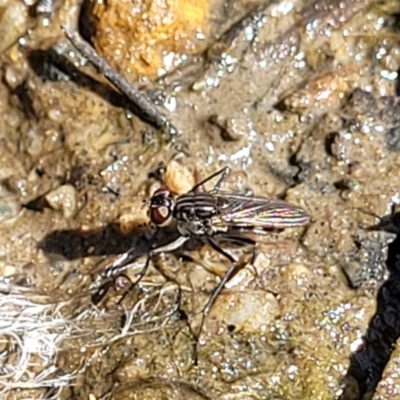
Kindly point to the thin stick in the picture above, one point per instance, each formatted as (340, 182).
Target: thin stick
(148, 112)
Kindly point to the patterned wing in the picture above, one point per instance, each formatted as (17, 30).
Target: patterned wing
(241, 211)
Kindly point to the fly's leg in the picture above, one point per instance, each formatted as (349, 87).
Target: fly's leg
(234, 267)
(256, 274)
(101, 292)
(172, 246)
(224, 171)
(116, 266)
(238, 239)
(229, 274)
(119, 264)
(248, 241)
(231, 271)
(125, 259)
(157, 250)
(245, 241)
(139, 277)
(179, 242)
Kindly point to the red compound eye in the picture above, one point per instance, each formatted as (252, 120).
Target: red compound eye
(161, 207)
(160, 215)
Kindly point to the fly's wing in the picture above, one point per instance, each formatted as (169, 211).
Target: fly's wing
(239, 211)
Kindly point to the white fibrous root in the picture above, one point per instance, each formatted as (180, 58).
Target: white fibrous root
(38, 330)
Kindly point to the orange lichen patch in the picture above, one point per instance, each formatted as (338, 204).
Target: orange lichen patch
(134, 35)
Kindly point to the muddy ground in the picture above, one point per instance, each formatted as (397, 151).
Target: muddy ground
(299, 98)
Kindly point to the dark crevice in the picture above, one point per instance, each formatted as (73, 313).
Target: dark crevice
(368, 363)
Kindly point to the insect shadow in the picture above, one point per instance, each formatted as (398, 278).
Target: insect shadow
(108, 242)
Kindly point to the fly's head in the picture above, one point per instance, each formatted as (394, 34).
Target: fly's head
(161, 207)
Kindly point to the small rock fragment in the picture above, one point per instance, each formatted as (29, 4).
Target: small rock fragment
(178, 178)
(298, 273)
(63, 199)
(10, 206)
(13, 24)
(248, 311)
(319, 96)
(135, 35)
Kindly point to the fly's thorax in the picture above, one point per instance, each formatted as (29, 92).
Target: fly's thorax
(193, 207)
(194, 212)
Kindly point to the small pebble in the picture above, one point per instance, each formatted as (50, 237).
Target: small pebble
(178, 178)
(13, 24)
(63, 199)
(249, 311)
(298, 273)
(10, 208)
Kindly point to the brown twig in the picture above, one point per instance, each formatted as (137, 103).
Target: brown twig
(145, 109)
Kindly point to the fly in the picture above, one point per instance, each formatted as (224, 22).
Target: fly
(214, 216)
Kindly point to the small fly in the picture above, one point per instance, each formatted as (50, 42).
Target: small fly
(215, 216)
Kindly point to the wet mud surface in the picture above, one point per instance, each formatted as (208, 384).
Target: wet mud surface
(300, 99)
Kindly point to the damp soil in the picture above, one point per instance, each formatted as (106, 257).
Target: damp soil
(300, 99)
